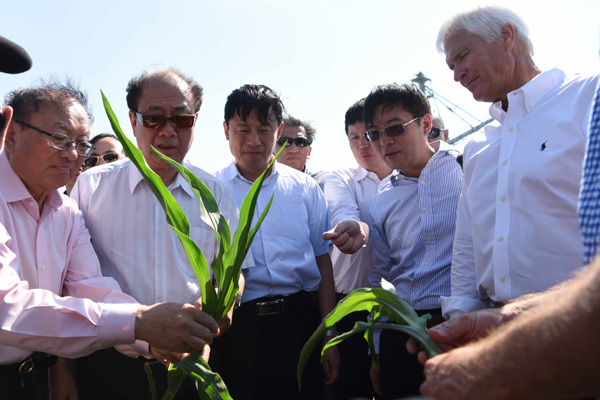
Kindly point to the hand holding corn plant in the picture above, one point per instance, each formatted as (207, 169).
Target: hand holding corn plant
(380, 302)
(226, 266)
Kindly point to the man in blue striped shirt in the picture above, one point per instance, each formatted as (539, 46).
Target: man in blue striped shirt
(412, 221)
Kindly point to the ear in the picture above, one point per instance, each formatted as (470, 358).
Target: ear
(309, 151)
(426, 124)
(226, 129)
(7, 112)
(508, 36)
(279, 130)
(133, 120)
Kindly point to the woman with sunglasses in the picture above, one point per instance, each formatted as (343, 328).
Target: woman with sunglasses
(107, 149)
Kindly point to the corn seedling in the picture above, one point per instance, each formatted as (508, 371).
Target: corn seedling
(381, 302)
(225, 267)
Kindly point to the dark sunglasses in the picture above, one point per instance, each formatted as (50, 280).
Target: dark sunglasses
(156, 121)
(435, 132)
(92, 161)
(373, 135)
(298, 141)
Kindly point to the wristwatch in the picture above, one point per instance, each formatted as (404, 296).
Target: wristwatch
(331, 332)
(238, 300)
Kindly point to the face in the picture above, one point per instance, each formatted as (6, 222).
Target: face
(163, 97)
(409, 151)
(485, 69)
(41, 167)
(364, 154)
(107, 145)
(294, 156)
(252, 143)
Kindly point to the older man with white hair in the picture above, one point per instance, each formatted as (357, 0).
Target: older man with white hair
(517, 227)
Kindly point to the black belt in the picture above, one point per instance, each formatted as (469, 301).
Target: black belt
(264, 306)
(28, 365)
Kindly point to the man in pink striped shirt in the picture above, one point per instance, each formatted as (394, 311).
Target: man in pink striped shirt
(53, 297)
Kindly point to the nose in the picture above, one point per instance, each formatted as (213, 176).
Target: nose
(459, 72)
(293, 148)
(384, 140)
(167, 130)
(71, 152)
(253, 138)
(364, 143)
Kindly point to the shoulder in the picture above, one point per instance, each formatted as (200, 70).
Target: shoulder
(110, 171)
(213, 182)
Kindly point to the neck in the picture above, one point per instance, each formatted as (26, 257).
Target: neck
(254, 173)
(525, 71)
(416, 172)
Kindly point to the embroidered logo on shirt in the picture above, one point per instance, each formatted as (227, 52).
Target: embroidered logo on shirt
(543, 146)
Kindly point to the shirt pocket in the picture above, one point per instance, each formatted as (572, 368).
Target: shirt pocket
(293, 226)
(205, 239)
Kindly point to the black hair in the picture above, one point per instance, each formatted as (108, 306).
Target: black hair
(254, 97)
(354, 114)
(290, 120)
(407, 96)
(102, 136)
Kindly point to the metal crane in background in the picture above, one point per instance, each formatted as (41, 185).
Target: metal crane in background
(423, 82)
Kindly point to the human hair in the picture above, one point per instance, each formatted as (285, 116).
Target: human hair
(407, 96)
(136, 85)
(254, 97)
(102, 136)
(354, 114)
(26, 101)
(290, 120)
(485, 22)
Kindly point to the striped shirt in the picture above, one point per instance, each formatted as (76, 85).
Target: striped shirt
(412, 223)
(589, 201)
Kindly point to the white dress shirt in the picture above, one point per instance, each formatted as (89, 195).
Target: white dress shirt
(517, 225)
(289, 238)
(131, 236)
(349, 193)
(53, 297)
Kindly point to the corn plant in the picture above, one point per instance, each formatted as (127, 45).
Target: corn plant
(381, 302)
(226, 265)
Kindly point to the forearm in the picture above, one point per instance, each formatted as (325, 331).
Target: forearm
(326, 291)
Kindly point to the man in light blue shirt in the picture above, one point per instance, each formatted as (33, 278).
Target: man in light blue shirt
(291, 286)
(412, 221)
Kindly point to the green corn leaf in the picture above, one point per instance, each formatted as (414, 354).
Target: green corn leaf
(372, 300)
(210, 385)
(151, 381)
(175, 376)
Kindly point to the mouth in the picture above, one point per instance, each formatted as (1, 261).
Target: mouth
(166, 148)
(391, 154)
(470, 84)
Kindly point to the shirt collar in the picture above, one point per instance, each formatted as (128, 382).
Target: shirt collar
(532, 92)
(135, 177)
(232, 172)
(13, 189)
(443, 148)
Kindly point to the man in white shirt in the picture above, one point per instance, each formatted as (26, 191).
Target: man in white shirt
(517, 229)
(291, 285)
(349, 193)
(128, 226)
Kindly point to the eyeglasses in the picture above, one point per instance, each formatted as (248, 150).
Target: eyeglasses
(62, 142)
(157, 121)
(435, 132)
(92, 161)
(298, 141)
(391, 131)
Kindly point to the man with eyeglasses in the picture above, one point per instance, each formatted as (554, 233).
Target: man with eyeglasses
(438, 129)
(290, 288)
(411, 222)
(130, 233)
(53, 296)
(297, 137)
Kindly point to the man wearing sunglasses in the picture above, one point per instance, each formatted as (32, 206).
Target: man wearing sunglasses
(411, 222)
(107, 149)
(297, 137)
(290, 288)
(438, 130)
(53, 296)
(134, 243)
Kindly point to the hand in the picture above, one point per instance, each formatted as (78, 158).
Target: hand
(180, 328)
(375, 376)
(460, 330)
(7, 112)
(226, 321)
(458, 375)
(166, 357)
(348, 236)
(61, 382)
(331, 365)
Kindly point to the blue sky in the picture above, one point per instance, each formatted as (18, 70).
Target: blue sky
(321, 56)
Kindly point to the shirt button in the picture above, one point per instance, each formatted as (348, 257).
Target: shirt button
(159, 263)
(159, 231)
(425, 209)
(504, 162)
(423, 183)
(426, 264)
(500, 238)
(43, 267)
(511, 129)
(428, 237)
(416, 285)
(502, 199)
(529, 106)
(502, 279)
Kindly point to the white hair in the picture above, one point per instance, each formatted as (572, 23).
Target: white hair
(485, 22)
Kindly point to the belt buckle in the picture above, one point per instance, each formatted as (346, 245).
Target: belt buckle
(26, 366)
(269, 307)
